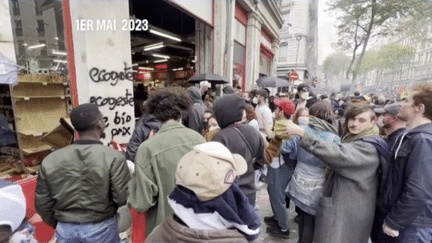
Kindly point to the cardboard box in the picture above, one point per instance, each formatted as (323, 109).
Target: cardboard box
(61, 136)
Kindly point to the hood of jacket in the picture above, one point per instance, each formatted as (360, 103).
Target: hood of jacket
(228, 109)
(194, 94)
(150, 121)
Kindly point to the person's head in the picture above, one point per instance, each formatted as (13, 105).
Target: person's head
(168, 104)
(12, 210)
(261, 95)
(303, 91)
(209, 170)
(87, 118)
(250, 112)
(388, 115)
(228, 109)
(359, 118)
(300, 112)
(322, 110)
(418, 104)
(356, 93)
(245, 95)
(207, 115)
(228, 90)
(285, 108)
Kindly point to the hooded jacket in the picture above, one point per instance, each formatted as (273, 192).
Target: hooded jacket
(146, 125)
(239, 138)
(195, 117)
(406, 194)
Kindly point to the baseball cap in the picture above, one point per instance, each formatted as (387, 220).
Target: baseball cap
(286, 104)
(390, 108)
(209, 170)
(303, 87)
(13, 204)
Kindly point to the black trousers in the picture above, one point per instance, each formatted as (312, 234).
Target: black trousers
(306, 225)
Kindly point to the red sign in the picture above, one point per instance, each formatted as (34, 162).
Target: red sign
(293, 76)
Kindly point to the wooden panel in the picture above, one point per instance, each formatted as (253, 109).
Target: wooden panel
(38, 89)
(39, 115)
(33, 144)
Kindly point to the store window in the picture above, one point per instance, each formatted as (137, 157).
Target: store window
(34, 88)
(239, 47)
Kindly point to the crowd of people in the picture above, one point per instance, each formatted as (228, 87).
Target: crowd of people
(356, 168)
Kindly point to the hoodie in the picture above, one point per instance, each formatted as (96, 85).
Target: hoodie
(406, 194)
(195, 117)
(239, 138)
(146, 125)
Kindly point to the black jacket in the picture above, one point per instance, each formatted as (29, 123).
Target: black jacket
(239, 138)
(84, 182)
(406, 193)
(147, 124)
(195, 117)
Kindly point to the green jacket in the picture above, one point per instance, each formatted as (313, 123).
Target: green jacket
(155, 166)
(84, 182)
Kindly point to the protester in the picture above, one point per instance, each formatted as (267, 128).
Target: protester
(306, 185)
(393, 126)
(211, 126)
(14, 228)
(251, 117)
(145, 128)
(194, 118)
(406, 195)
(157, 158)
(207, 202)
(80, 187)
(303, 96)
(239, 138)
(347, 206)
(279, 174)
(263, 110)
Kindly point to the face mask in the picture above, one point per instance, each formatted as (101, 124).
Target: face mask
(304, 96)
(303, 121)
(255, 100)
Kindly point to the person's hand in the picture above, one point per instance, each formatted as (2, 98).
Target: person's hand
(389, 231)
(293, 129)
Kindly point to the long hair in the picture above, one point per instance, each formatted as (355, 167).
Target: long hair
(322, 110)
(297, 114)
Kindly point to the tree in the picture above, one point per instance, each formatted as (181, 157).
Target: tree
(363, 20)
(336, 63)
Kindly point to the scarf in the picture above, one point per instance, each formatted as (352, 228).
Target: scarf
(230, 210)
(321, 125)
(374, 131)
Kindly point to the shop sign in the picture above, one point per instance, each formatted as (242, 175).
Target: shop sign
(161, 76)
(181, 74)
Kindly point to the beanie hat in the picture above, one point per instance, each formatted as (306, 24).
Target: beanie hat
(286, 105)
(303, 87)
(13, 204)
(209, 170)
(84, 117)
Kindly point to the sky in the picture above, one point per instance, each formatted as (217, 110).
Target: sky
(327, 33)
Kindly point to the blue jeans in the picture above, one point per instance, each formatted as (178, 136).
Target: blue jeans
(416, 235)
(105, 231)
(278, 181)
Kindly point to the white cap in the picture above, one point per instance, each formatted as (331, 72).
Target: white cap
(12, 204)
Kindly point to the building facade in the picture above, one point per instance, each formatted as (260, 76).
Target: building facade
(299, 40)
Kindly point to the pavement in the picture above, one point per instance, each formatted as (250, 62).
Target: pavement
(264, 210)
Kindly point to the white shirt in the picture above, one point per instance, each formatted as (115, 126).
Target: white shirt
(265, 110)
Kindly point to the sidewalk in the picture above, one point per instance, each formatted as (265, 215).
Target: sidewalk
(265, 210)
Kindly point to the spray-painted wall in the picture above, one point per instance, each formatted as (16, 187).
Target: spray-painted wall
(102, 52)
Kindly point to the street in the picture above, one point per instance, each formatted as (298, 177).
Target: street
(265, 210)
